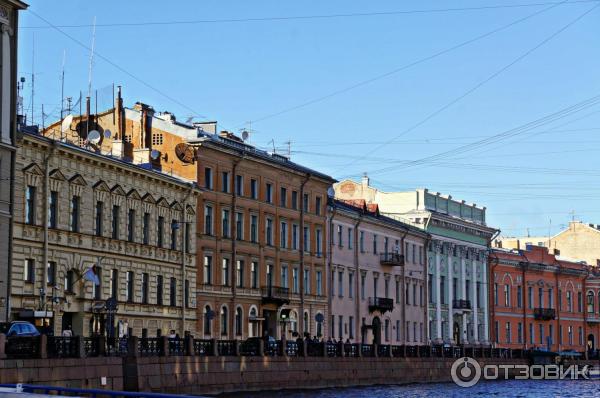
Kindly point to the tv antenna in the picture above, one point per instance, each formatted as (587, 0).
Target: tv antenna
(62, 85)
(92, 59)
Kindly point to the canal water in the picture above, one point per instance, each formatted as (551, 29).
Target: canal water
(505, 388)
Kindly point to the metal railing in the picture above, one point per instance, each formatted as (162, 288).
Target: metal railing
(394, 259)
(381, 304)
(461, 304)
(63, 347)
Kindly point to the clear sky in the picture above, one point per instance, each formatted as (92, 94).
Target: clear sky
(248, 62)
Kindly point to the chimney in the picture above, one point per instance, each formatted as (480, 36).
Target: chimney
(365, 181)
(118, 141)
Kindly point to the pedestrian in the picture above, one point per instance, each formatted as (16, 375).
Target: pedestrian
(67, 332)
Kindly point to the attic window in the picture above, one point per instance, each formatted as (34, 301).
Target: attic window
(157, 139)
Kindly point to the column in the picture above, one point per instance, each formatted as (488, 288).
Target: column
(6, 85)
(463, 295)
(450, 294)
(484, 301)
(474, 299)
(438, 301)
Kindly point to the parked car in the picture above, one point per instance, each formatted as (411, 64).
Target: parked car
(19, 328)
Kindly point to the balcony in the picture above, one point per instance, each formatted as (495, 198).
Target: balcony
(381, 304)
(461, 304)
(275, 295)
(391, 259)
(544, 314)
(592, 318)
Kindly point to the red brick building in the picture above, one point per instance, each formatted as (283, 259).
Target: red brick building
(540, 300)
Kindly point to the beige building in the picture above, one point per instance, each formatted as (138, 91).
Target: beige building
(377, 276)
(578, 242)
(75, 208)
(9, 10)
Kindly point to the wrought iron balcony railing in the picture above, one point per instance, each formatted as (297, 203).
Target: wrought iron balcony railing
(275, 295)
(381, 304)
(392, 259)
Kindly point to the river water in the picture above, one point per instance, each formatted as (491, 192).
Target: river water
(508, 388)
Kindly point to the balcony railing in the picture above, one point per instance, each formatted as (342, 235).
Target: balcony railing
(461, 304)
(381, 304)
(544, 314)
(275, 295)
(392, 259)
(592, 318)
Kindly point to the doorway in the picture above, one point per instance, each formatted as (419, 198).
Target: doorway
(591, 343)
(456, 333)
(376, 330)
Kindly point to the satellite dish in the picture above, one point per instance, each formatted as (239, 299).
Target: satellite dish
(185, 152)
(107, 133)
(94, 137)
(154, 154)
(245, 135)
(66, 123)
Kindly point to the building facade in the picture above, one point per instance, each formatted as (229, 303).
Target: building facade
(76, 208)
(262, 238)
(541, 301)
(8, 125)
(377, 276)
(457, 276)
(578, 242)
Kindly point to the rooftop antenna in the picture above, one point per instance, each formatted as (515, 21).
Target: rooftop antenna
(289, 148)
(273, 142)
(92, 59)
(62, 85)
(32, 75)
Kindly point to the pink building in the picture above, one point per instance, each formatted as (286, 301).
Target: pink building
(377, 276)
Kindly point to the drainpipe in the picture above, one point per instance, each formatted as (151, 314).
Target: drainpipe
(332, 212)
(525, 305)
(403, 313)
(585, 312)
(557, 300)
(357, 273)
(234, 237)
(184, 243)
(50, 153)
(302, 211)
(491, 301)
(427, 337)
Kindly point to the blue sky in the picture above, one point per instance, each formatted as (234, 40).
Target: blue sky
(238, 72)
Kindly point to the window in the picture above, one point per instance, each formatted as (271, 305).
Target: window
(207, 312)
(207, 270)
(97, 289)
(254, 275)
(579, 302)
(159, 290)
(508, 334)
(174, 227)
(269, 193)
(295, 281)
(69, 281)
(284, 276)
(349, 238)
(351, 327)
(351, 284)
(306, 238)
(362, 242)
(506, 295)
(520, 333)
(173, 293)
(387, 330)
(305, 202)
(414, 295)
(397, 291)
(114, 284)
(496, 332)
(208, 178)
(319, 242)
(550, 298)
(559, 300)
(224, 320)
(225, 272)
(269, 232)
(362, 286)
(454, 288)
(531, 334)
(385, 245)
(160, 231)
(495, 294)
(541, 297)
(253, 228)
(340, 283)
(53, 210)
(239, 226)
(340, 326)
(519, 296)
(570, 332)
(145, 287)
(225, 182)
(407, 293)
(239, 273)
(75, 207)
(30, 205)
(239, 185)
(318, 205)
(374, 244)
(295, 200)
(306, 281)
(225, 223)
(146, 229)
(283, 235)
(295, 237)
(99, 217)
(253, 188)
(283, 197)
(51, 267)
(131, 225)
(430, 288)
(551, 334)
(29, 270)
(157, 139)
(398, 330)
(541, 336)
(340, 232)
(530, 296)
(238, 321)
(375, 280)
(590, 302)
(569, 301)
(186, 293)
(269, 275)
(116, 210)
(129, 280)
(319, 277)
(442, 297)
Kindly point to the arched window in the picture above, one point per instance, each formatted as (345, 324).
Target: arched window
(590, 302)
(238, 321)
(294, 321)
(253, 323)
(207, 315)
(306, 330)
(224, 321)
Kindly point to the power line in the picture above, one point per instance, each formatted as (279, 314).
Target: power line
(483, 82)
(402, 68)
(310, 17)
